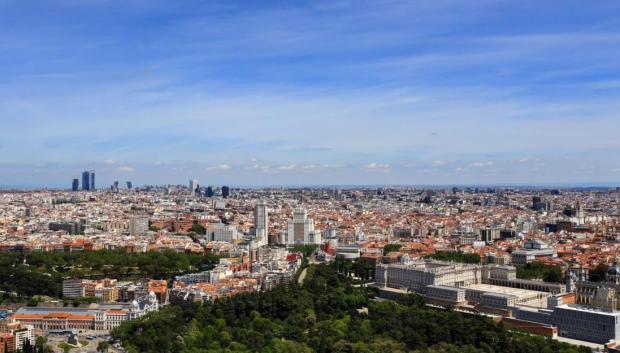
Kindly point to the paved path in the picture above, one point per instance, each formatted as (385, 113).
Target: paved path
(302, 276)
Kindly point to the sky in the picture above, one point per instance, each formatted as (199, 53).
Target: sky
(293, 92)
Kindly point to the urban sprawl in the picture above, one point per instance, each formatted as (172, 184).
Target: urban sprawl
(539, 260)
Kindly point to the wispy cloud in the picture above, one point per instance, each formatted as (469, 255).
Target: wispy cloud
(125, 169)
(287, 167)
(428, 86)
(220, 167)
(481, 164)
(377, 166)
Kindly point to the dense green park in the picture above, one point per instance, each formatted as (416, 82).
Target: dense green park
(455, 256)
(325, 314)
(42, 273)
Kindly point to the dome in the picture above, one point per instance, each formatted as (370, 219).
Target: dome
(135, 305)
(152, 298)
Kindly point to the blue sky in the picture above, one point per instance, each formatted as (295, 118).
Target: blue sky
(321, 92)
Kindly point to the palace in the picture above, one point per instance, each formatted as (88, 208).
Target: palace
(100, 317)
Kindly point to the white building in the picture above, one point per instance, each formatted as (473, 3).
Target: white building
(138, 225)
(193, 185)
(73, 288)
(418, 274)
(533, 249)
(26, 333)
(99, 317)
(261, 223)
(223, 232)
(261, 218)
(300, 229)
(352, 251)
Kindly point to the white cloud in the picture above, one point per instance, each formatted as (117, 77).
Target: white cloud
(288, 167)
(481, 164)
(260, 167)
(125, 169)
(377, 166)
(219, 167)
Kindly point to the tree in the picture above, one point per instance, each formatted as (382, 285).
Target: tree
(539, 270)
(103, 346)
(554, 274)
(42, 273)
(40, 345)
(388, 248)
(305, 250)
(599, 274)
(455, 256)
(324, 314)
(198, 229)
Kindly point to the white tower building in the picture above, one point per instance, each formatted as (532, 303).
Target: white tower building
(193, 185)
(138, 225)
(300, 229)
(261, 222)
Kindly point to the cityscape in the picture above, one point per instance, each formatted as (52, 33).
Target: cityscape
(543, 261)
(330, 176)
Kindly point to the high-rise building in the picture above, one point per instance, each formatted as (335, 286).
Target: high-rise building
(138, 225)
(209, 192)
(300, 229)
(223, 232)
(129, 185)
(115, 186)
(92, 180)
(225, 191)
(193, 185)
(261, 220)
(86, 180)
(75, 186)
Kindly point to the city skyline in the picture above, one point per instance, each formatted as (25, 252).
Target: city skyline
(329, 93)
(309, 176)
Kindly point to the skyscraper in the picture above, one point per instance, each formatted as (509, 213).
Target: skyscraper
(129, 185)
(210, 192)
(86, 181)
(261, 220)
(138, 225)
(76, 185)
(300, 229)
(92, 180)
(193, 185)
(225, 191)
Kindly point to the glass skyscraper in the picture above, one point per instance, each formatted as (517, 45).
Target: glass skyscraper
(88, 180)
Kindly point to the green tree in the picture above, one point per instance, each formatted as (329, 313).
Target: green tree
(325, 314)
(599, 273)
(456, 256)
(198, 229)
(103, 346)
(388, 248)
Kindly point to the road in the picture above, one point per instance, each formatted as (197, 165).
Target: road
(302, 276)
